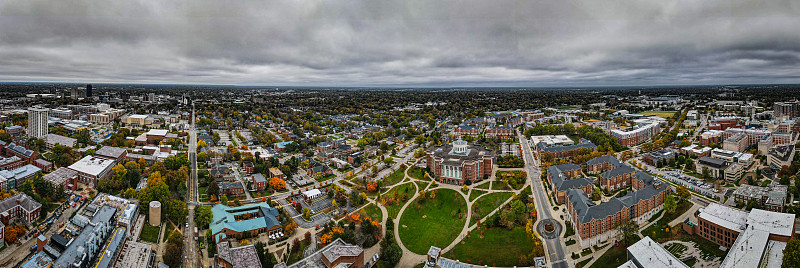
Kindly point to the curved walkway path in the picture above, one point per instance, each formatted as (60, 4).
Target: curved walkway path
(409, 258)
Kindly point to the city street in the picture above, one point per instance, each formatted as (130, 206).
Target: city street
(555, 252)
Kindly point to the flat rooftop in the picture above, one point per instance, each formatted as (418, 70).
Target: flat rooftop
(133, 255)
(747, 250)
(92, 165)
(649, 253)
(724, 216)
(772, 222)
(157, 132)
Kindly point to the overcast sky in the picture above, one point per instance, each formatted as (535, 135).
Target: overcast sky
(397, 43)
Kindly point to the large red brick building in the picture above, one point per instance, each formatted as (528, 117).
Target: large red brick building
(18, 206)
(597, 223)
(601, 164)
(460, 163)
(617, 178)
(563, 178)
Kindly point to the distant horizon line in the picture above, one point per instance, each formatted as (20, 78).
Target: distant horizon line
(409, 86)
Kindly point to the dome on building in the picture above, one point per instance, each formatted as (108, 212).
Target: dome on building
(460, 147)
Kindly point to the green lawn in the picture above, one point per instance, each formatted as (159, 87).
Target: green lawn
(475, 193)
(706, 247)
(498, 247)
(400, 189)
(661, 231)
(661, 114)
(372, 211)
(483, 186)
(486, 204)
(583, 262)
(416, 172)
(326, 177)
(500, 185)
(614, 257)
(149, 233)
(395, 177)
(434, 223)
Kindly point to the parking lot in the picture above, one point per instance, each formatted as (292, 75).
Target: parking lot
(691, 183)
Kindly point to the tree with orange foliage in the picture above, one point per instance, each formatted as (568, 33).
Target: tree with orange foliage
(372, 186)
(290, 228)
(13, 232)
(355, 217)
(277, 184)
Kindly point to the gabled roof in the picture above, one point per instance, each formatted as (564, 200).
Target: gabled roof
(586, 210)
(644, 177)
(623, 169)
(574, 183)
(258, 177)
(604, 159)
(20, 149)
(319, 168)
(645, 193)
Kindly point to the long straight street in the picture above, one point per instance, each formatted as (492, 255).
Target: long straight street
(189, 248)
(555, 251)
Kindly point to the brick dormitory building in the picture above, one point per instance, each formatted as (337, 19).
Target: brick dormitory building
(596, 223)
(563, 178)
(459, 162)
(601, 164)
(617, 178)
(565, 151)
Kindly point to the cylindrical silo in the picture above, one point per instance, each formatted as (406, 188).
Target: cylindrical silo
(155, 213)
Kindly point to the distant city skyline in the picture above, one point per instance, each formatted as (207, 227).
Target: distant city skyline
(401, 43)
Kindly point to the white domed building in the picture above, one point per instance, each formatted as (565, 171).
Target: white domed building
(459, 163)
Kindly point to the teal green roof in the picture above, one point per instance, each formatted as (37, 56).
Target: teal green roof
(224, 218)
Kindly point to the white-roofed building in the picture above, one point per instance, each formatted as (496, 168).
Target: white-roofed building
(92, 169)
(647, 253)
(721, 224)
(748, 249)
(779, 225)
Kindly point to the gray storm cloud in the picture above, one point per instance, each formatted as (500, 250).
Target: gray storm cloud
(417, 42)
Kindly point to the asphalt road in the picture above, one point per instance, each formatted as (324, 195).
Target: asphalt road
(555, 251)
(189, 248)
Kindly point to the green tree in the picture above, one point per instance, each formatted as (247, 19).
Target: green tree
(173, 256)
(134, 173)
(202, 216)
(390, 251)
(223, 199)
(177, 211)
(791, 253)
(669, 204)
(267, 259)
(628, 231)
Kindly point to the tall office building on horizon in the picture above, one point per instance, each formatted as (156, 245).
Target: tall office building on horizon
(37, 122)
